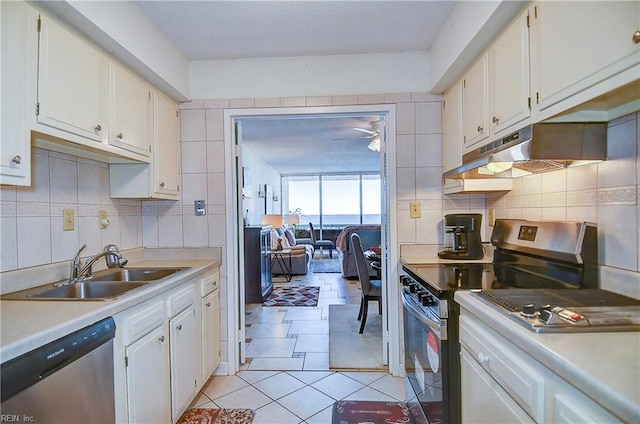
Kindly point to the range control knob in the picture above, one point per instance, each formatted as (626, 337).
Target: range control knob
(413, 287)
(529, 310)
(405, 280)
(545, 315)
(427, 300)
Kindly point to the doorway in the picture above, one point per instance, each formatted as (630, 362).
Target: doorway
(235, 244)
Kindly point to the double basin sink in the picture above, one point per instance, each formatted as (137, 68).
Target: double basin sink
(105, 285)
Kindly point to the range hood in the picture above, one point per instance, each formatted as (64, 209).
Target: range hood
(534, 149)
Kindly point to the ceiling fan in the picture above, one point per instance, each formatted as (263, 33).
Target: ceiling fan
(372, 133)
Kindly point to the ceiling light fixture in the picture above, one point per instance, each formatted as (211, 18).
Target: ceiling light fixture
(374, 145)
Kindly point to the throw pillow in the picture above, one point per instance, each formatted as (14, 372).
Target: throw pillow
(290, 237)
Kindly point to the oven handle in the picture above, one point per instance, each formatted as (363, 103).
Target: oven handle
(440, 328)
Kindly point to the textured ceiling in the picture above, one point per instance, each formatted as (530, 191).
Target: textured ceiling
(321, 144)
(245, 29)
(252, 29)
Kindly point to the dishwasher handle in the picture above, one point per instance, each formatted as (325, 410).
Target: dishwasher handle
(24, 371)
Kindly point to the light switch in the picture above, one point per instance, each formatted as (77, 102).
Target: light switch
(68, 219)
(200, 208)
(414, 208)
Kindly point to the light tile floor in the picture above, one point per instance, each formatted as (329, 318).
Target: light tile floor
(287, 378)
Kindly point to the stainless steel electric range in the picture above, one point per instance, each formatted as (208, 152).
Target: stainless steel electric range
(530, 258)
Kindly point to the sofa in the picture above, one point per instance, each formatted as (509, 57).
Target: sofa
(369, 236)
(301, 253)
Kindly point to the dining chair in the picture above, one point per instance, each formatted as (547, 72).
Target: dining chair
(321, 244)
(371, 289)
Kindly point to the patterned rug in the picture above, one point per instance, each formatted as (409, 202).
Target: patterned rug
(326, 265)
(217, 416)
(360, 411)
(293, 296)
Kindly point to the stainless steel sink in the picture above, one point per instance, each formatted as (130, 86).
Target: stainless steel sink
(134, 274)
(91, 290)
(105, 285)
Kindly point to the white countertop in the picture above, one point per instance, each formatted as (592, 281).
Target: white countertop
(604, 366)
(26, 325)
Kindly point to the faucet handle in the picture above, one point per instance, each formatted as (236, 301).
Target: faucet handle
(114, 258)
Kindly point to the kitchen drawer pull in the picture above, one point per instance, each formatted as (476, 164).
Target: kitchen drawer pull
(208, 304)
(162, 184)
(17, 159)
(161, 339)
(495, 120)
(636, 37)
(479, 128)
(119, 136)
(179, 327)
(482, 358)
(98, 128)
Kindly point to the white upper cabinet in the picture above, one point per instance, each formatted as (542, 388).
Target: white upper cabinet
(19, 55)
(166, 154)
(509, 97)
(475, 104)
(452, 137)
(72, 83)
(582, 50)
(131, 111)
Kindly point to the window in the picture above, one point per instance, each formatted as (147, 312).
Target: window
(334, 201)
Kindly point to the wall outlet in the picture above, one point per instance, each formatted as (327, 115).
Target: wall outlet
(68, 219)
(414, 208)
(492, 217)
(103, 219)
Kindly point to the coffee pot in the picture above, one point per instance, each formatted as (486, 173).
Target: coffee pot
(462, 237)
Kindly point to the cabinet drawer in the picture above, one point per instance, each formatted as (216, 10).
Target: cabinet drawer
(180, 301)
(524, 383)
(209, 283)
(142, 322)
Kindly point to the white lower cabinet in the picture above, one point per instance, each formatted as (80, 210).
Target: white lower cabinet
(210, 334)
(501, 383)
(184, 360)
(148, 379)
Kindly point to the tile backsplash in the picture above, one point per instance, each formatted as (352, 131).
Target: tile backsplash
(31, 217)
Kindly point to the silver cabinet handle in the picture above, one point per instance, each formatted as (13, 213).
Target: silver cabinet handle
(98, 128)
(17, 159)
(479, 128)
(179, 327)
(161, 339)
(162, 184)
(636, 37)
(119, 136)
(495, 120)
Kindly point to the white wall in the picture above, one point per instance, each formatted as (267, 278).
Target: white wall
(309, 76)
(261, 174)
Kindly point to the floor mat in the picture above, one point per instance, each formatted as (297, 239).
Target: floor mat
(359, 411)
(289, 295)
(217, 416)
(347, 348)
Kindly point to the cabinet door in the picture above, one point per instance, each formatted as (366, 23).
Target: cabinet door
(131, 112)
(475, 104)
(18, 49)
(184, 360)
(483, 400)
(148, 379)
(166, 154)
(509, 78)
(452, 138)
(210, 333)
(72, 83)
(576, 45)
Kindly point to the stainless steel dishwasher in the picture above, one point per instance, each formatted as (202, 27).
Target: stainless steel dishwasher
(69, 380)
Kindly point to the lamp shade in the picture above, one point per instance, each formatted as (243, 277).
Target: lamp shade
(292, 219)
(275, 220)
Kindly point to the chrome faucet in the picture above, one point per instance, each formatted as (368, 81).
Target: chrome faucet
(79, 273)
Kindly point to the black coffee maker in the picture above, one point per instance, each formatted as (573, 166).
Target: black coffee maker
(462, 236)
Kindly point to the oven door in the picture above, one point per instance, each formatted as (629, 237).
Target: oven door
(423, 343)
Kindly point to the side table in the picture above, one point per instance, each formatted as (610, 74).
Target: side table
(278, 256)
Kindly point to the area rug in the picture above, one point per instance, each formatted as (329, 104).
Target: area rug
(360, 411)
(291, 295)
(350, 350)
(217, 416)
(326, 266)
